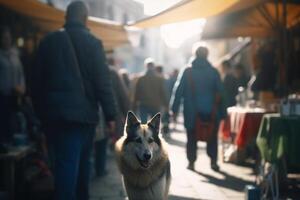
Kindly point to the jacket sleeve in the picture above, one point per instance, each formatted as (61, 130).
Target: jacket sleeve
(178, 92)
(101, 79)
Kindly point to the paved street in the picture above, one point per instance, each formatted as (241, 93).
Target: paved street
(204, 183)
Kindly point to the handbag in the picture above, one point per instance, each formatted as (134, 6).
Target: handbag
(203, 130)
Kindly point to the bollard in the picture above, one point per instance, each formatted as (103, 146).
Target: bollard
(252, 192)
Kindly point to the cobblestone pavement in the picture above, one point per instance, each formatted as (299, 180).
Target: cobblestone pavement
(203, 183)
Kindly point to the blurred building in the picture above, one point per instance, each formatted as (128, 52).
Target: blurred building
(129, 56)
(143, 43)
(115, 10)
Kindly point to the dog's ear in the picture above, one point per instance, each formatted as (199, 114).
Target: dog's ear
(131, 119)
(154, 123)
(131, 124)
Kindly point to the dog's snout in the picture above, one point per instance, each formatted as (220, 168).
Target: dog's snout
(147, 156)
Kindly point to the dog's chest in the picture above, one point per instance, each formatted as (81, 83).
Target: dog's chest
(155, 191)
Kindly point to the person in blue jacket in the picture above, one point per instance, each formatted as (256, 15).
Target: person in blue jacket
(207, 89)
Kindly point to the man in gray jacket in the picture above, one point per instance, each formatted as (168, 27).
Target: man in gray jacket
(69, 82)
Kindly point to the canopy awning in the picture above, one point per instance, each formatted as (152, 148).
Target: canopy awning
(49, 19)
(257, 21)
(193, 9)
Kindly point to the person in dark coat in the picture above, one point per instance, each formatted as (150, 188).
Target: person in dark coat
(12, 83)
(121, 95)
(266, 68)
(241, 75)
(230, 84)
(67, 96)
(171, 82)
(150, 95)
(207, 91)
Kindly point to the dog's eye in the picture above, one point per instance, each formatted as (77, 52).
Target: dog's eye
(150, 140)
(138, 140)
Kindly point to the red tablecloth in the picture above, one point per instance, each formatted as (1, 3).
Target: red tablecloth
(243, 123)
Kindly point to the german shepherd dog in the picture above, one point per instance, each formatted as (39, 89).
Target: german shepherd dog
(143, 160)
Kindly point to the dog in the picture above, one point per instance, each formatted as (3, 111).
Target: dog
(143, 160)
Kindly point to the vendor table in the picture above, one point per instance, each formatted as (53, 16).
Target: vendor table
(278, 141)
(279, 136)
(9, 160)
(243, 123)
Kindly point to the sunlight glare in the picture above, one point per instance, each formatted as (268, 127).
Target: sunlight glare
(152, 7)
(176, 34)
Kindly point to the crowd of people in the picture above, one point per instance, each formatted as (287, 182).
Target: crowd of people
(73, 100)
(78, 99)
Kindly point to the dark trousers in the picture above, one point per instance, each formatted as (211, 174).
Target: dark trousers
(7, 107)
(70, 148)
(100, 156)
(211, 146)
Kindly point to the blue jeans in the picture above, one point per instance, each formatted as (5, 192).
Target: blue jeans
(147, 113)
(70, 147)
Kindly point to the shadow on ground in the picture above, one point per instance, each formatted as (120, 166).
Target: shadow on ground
(179, 143)
(175, 197)
(176, 142)
(230, 182)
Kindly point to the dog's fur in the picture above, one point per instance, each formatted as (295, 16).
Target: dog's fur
(143, 160)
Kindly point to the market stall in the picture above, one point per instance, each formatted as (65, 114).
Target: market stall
(279, 136)
(267, 20)
(239, 131)
(278, 141)
(262, 20)
(47, 18)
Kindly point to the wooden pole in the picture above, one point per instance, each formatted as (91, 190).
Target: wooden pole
(285, 46)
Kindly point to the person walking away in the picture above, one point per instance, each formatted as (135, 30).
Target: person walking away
(126, 79)
(170, 85)
(207, 91)
(70, 80)
(165, 115)
(171, 82)
(241, 76)
(121, 96)
(230, 84)
(263, 84)
(150, 93)
(100, 147)
(12, 83)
